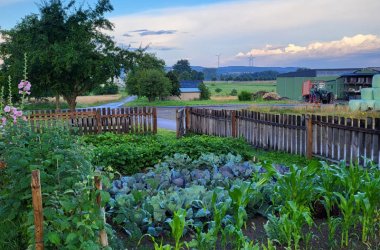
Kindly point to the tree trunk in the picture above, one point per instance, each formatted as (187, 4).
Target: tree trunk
(72, 102)
(57, 106)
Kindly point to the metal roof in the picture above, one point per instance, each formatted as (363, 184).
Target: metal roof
(189, 90)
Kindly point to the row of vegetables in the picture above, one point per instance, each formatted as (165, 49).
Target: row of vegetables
(207, 202)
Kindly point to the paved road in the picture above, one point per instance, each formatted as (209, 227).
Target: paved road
(118, 104)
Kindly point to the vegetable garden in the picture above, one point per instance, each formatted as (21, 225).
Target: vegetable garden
(196, 192)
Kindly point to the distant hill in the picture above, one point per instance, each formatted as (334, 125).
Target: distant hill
(244, 69)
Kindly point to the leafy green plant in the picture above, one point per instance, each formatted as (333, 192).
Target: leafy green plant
(347, 208)
(72, 218)
(177, 225)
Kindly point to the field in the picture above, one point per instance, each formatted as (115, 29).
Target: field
(215, 101)
(83, 102)
(253, 86)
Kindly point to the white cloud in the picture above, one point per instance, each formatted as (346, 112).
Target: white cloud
(231, 27)
(345, 46)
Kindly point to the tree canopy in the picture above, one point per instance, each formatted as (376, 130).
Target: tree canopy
(68, 54)
(184, 72)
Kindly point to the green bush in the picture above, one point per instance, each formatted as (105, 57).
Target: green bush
(234, 92)
(71, 217)
(130, 154)
(205, 92)
(245, 96)
(218, 90)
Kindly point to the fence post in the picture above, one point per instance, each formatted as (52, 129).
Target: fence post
(188, 122)
(309, 134)
(233, 123)
(154, 120)
(102, 234)
(177, 123)
(98, 121)
(37, 209)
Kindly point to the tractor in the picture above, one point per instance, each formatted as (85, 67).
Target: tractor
(316, 92)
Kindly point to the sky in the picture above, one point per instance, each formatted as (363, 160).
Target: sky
(300, 33)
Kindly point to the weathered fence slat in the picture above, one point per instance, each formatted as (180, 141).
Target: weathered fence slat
(328, 137)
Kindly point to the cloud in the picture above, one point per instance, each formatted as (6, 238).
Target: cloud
(9, 2)
(145, 32)
(163, 48)
(337, 48)
(291, 27)
(127, 35)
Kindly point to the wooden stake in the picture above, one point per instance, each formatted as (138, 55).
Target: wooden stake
(38, 212)
(154, 120)
(177, 116)
(103, 234)
(309, 134)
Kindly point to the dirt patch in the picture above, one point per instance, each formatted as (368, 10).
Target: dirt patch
(224, 98)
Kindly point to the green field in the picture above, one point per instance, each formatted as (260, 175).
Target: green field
(227, 87)
(144, 102)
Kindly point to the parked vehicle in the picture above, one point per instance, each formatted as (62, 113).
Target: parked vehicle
(316, 92)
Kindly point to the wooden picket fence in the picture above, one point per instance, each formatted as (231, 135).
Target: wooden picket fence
(135, 120)
(327, 137)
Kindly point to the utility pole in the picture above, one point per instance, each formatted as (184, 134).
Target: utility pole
(251, 57)
(218, 55)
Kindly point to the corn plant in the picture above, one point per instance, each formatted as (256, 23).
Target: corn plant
(346, 206)
(367, 203)
(297, 185)
(287, 229)
(177, 225)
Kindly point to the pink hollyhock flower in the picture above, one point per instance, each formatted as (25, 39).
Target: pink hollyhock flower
(7, 109)
(18, 113)
(27, 92)
(20, 85)
(14, 119)
(4, 121)
(24, 118)
(14, 110)
(20, 92)
(27, 86)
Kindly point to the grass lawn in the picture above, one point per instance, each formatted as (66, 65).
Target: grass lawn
(253, 86)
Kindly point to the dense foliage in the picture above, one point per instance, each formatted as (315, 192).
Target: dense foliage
(68, 53)
(257, 76)
(212, 197)
(72, 219)
(130, 154)
(184, 72)
(245, 96)
(205, 92)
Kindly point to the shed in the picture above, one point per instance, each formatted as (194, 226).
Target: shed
(290, 84)
(189, 90)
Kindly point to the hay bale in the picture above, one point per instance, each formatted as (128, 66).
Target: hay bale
(377, 106)
(367, 93)
(370, 104)
(258, 94)
(271, 96)
(355, 105)
(376, 81)
(376, 94)
(363, 106)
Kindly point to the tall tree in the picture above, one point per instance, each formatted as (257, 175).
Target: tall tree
(175, 91)
(184, 72)
(68, 53)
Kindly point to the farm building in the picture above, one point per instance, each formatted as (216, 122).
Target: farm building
(290, 84)
(344, 83)
(353, 82)
(189, 91)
